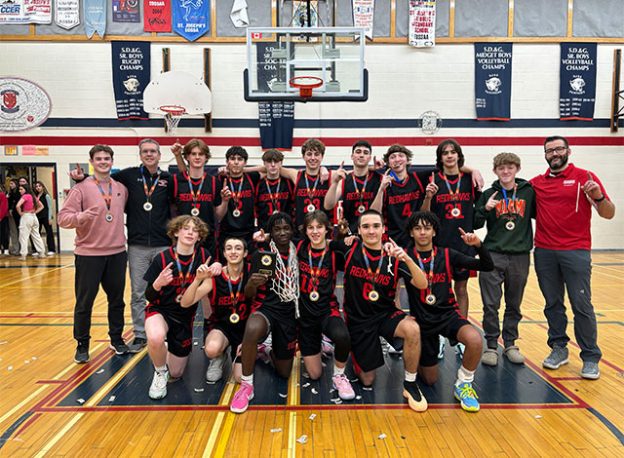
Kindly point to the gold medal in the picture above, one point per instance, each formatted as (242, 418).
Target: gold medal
(373, 296)
(195, 211)
(314, 296)
(147, 206)
(510, 225)
(236, 213)
(430, 299)
(108, 217)
(178, 298)
(234, 318)
(361, 209)
(310, 208)
(455, 212)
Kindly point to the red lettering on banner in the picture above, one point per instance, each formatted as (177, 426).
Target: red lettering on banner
(157, 15)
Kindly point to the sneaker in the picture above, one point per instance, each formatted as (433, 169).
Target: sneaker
(51, 253)
(460, 348)
(490, 357)
(82, 353)
(327, 347)
(158, 388)
(264, 353)
(35, 255)
(137, 345)
(590, 370)
(343, 386)
(442, 346)
(120, 348)
(241, 399)
(415, 398)
(557, 358)
(467, 396)
(22, 258)
(392, 350)
(513, 355)
(215, 368)
(5, 252)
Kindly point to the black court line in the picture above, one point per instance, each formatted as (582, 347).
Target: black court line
(11, 429)
(610, 426)
(29, 266)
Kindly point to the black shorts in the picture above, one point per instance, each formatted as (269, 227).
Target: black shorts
(311, 329)
(284, 332)
(365, 346)
(179, 333)
(430, 343)
(232, 332)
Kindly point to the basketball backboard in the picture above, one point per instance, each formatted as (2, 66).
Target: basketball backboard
(334, 55)
(177, 89)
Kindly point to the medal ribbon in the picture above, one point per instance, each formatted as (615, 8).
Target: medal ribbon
(183, 276)
(107, 197)
(429, 273)
(234, 297)
(310, 192)
(274, 196)
(195, 194)
(236, 194)
(372, 276)
(513, 200)
(359, 193)
(315, 273)
(454, 194)
(153, 182)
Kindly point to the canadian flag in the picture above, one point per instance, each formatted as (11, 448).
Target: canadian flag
(256, 35)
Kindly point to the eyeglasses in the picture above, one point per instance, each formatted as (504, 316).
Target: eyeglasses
(558, 150)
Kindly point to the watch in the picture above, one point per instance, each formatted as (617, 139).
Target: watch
(600, 200)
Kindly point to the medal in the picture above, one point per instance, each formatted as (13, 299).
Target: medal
(195, 194)
(107, 198)
(236, 195)
(310, 192)
(234, 318)
(361, 209)
(360, 193)
(372, 276)
(274, 196)
(178, 298)
(275, 212)
(509, 206)
(373, 296)
(195, 211)
(108, 217)
(310, 208)
(147, 206)
(510, 225)
(236, 213)
(184, 277)
(315, 273)
(454, 194)
(455, 212)
(314, 296)
(430, 299)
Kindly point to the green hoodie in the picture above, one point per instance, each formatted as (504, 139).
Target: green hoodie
(499, 239)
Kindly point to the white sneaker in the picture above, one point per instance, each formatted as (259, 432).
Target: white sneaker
(51, 253)
(158, 389)
(215, 368)
(459, 349)
(6, 253)
(35, 255)
(442, 346)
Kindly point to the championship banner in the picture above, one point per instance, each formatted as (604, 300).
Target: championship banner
(25, 11)
(239, 14)
(275, 119)
(131, 74)
(577, 81)
(126, 11)
(191, 18)
(157, 15)
(67, 13)
(363, 13)
(422, 16)
(493, 81)
(95, 17)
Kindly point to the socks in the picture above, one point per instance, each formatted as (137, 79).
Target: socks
(338, 370)
(464, 375)
(161, 369)
(410, 377)
(247, 379)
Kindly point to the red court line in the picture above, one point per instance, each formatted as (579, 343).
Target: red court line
(50, 382)
(26, 424)
(568, 378)
(32, 315)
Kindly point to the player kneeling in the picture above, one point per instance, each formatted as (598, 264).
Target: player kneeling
(165, 319)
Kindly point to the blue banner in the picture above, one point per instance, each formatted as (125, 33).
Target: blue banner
(275, 119)
(131, 74)
(191, 18)
(95, 17)
(126, 11)
(577, 81)
(493, 81)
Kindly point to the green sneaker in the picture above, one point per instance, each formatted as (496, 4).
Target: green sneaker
(467, 396)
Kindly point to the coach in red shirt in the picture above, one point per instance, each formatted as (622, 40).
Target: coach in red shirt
(565, 196)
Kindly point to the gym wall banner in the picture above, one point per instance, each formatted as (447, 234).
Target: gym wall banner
(95, 17)
(493, 81)
(23, 104)
(191, 18)
(25, 11)
(125, 11)
(422, 15)
(363, 14)
(157, 15)
(67, 13)
(577, 81)
(131, 74)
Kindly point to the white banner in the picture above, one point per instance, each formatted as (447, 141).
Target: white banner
(363, 13)
(25, 11)
(67, 13)
(422, 23)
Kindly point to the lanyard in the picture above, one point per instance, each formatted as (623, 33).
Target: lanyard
(359, 193)
(274, 196)
(315, 273)
(236, 194)
(310, 192)
(234, 297)
(153, 182)
(372, 276)
(429, 273)
(195, 194)
(454, 194)
(513, 200)
(107, 197)
(183, 276)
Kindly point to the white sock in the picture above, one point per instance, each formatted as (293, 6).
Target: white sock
(247, 379)
(161, 369)
(464, 375)
(410, 376)
(338, 370)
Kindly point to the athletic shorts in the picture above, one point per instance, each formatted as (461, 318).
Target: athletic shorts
(365, 346)
(284, 332)
(310, 332)
(232, 332)
(430, 342)
(179, 334)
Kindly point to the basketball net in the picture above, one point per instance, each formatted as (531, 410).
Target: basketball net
(285, 283)
(173, 115)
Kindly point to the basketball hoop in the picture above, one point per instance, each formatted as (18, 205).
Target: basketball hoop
(305, 84)
(173, 115)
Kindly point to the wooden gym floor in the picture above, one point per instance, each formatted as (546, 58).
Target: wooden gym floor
(53, 407)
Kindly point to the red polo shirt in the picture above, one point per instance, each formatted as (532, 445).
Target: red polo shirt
(563, 220)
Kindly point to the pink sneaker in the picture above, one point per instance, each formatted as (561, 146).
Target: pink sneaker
(342, 384)
(241, 399)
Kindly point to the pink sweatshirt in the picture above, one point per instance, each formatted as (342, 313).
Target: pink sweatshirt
(94, 235)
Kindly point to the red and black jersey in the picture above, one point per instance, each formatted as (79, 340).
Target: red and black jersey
(242, 204)
(309, 194)
(317, 272)
(454, 208)
(401, 199)
(201, 193)
(358, 283)
(223, 302)
(358, 194)
(182, 278)
(267, 298)
(273, 196)
(432, 317)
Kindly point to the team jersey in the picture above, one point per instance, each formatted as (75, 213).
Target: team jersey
(273, 196)
(266, 297)
(200, 193)
(360, 282)
(183, 275)
(401, 199)
(432, 314)
(455, 209)
(308, 195)
(317, 278)
(357, 195)
(224, 302)
(242, 204)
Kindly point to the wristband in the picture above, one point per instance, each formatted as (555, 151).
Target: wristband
(600, 200)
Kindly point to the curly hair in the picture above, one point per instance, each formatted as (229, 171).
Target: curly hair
(177, 223)
(428, 218)
(396, 148)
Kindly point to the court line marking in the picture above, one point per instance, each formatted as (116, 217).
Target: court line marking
(114, 380)
(21, 404)
(21, 280)
(46, 448)
(225, 435)
(292, 435)
(216, 427)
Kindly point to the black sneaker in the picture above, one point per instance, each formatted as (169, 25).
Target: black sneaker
(120, 348)
(415, 398)
(82, 353)
(137, 345)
